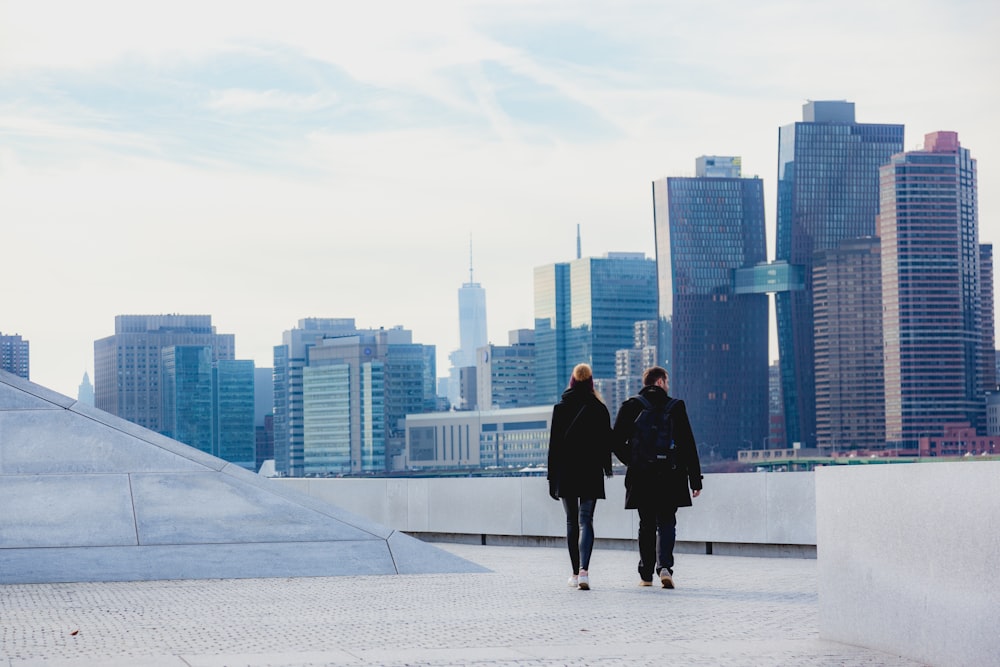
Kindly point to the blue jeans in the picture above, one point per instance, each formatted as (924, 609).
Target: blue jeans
(657, 533)
(579, 531)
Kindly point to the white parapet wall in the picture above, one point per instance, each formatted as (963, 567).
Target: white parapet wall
(740, 513)
(909, 557)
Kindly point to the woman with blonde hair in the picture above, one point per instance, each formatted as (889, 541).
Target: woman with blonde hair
(579, 459)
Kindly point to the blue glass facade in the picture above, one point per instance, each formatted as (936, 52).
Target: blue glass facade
(719, 361)
(585, 311)
(828, 187)
(186, 376)
(234, 408)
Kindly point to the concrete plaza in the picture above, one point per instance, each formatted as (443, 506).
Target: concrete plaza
(725, 611)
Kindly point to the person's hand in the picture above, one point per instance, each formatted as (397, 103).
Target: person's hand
(696, 493)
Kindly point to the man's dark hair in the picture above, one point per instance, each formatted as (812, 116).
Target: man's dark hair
(652, 375)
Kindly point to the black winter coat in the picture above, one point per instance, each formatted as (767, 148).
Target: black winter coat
(579, 445)
(652, 488)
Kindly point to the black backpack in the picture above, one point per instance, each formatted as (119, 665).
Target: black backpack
(652, 441)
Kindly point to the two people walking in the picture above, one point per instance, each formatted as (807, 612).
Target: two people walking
(652, 436)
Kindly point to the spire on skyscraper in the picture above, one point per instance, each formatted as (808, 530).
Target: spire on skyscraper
(578, 253)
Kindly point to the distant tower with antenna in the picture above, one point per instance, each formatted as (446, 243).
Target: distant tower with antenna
(472, 336)
(578, 252)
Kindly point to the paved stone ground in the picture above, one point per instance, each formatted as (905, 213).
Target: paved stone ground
(725, 611)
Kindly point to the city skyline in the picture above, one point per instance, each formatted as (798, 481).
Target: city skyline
(265, 167)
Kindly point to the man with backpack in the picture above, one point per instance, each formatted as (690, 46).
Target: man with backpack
(652, 436)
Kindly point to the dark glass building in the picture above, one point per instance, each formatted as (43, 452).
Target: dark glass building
(714, 226)
(828, 191)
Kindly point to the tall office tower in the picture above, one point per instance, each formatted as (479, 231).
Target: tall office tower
(127, 364)
(186, 379)
(357, 390)
(585, 311)
(850, 387)
(712, 226)
(209, 405)
(988, 362)
(505, 374)
(472, 336)
(14, 355)
(85, 393)
(828, 185)
(289, 359)
(233, 407)
(932, 290)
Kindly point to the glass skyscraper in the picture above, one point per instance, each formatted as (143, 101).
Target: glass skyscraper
(127, 365)
(713, 225)
(357, 390)
(938, 306)
(209, 405)
(585, 311)
(828, 191)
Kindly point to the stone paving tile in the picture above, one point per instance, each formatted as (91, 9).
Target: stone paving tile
(725, 611)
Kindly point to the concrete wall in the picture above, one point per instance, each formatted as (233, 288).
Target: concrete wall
(908, 559)
(751, 513)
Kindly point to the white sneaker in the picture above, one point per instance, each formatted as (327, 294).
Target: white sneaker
(584, 580)
(573, 581)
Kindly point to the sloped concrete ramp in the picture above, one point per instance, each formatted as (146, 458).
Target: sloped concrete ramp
(86, 496)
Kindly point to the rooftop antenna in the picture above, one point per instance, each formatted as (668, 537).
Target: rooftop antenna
(470, 259)
(578, 255)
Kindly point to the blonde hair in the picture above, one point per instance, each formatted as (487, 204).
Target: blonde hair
(583, 374)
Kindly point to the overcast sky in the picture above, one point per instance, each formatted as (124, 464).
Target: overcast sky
(263, 162)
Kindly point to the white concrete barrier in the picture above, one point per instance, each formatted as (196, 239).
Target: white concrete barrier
(740, 513)
(908, 559)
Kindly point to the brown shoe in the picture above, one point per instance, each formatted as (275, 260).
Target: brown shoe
(665, 579)
(643, 582)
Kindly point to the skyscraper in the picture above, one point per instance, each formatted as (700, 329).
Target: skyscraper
(828, 191)
(850, 387)
(85, 392)
(585, 311)
(209, 405)
(127, 364)
(938, 311)
(289, 359)
(14, 357)
(357, 391)
(472, 334)
(713, 226)
(505, 374)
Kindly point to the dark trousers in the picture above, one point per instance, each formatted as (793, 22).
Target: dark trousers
(657, 533)
(579, 531)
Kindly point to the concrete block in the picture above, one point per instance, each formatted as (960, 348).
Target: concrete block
(205, 508)
(147, 436)
(200, 561)
(411, 556)
(791, 508)
(418, 505)
(463, 505)
(66, 510)
(907, 559)
(732, 505)
(11, 385)
(60, 441)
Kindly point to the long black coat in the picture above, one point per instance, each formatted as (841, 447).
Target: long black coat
(579, 445)
(659, 489)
